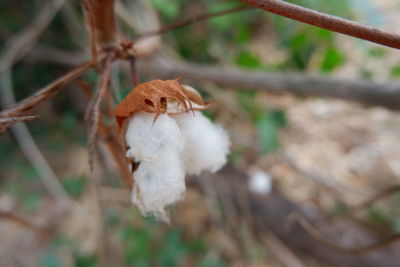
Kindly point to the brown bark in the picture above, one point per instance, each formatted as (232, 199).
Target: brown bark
(100, 17)
(326, 21)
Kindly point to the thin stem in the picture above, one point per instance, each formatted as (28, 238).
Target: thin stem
(135, 76)
(26, 106)
(24, 223)
(192, 20)
(94, 111)
(311, 230)
(5, 123)
(326, 21)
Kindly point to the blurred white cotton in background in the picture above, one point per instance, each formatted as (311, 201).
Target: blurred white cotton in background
(260, 182)
(206, 144)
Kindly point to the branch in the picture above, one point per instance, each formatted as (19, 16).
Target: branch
(94, 110)
(5, 123)
(385, 94)
(326, 21)
(110, 138)
(366, 92)
(42, 233)
(26, 106)
(194, 19)
(326, 242)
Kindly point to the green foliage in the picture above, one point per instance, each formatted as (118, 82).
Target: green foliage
(144, 246)
(75, 186)
(85, 261)
(168, 8)
(340, 208)
(379, 216)
(332, 59)
(267, 122)
(395, 72)
(50, 259)
(247, 60)
(217, 262)
(268, 126)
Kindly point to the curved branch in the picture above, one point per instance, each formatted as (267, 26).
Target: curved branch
(189, 21)
(326, 242)
(5, 123)
(41, 232)
(326, 21)
(366, 92)
(25, 107)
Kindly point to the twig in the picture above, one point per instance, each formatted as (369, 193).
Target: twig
(42, 233)
(26, 106)
(192, 20)
(326, 21)
(385, 94)
(366, 92)
(323, 240)
(94, 109)
(111, 139)
(132, 64)
(21, 43)
(30, 148)
(90, 21)
(5, 123)
(389, 191)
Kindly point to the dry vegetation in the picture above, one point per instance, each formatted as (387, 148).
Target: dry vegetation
(329, 144)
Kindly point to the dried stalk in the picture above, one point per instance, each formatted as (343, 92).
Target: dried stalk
(111, 139)
(326, 21)
(326, 242)
(5, 123)
(94, 111)
(192, 20)
(42, 233)
(26, 106)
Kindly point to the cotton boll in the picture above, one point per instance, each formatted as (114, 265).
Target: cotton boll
(206, 144)
(160, 177)
(145, 137)
(159, 184)
(260, 182)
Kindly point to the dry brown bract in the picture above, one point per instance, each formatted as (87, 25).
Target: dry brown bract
(152, 97)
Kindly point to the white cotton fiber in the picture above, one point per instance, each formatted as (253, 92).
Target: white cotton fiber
(160, 177)
(260, 182)
(206, 144)
(159, 184)
(146, 137)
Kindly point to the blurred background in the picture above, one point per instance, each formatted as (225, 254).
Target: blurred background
(323, 159)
